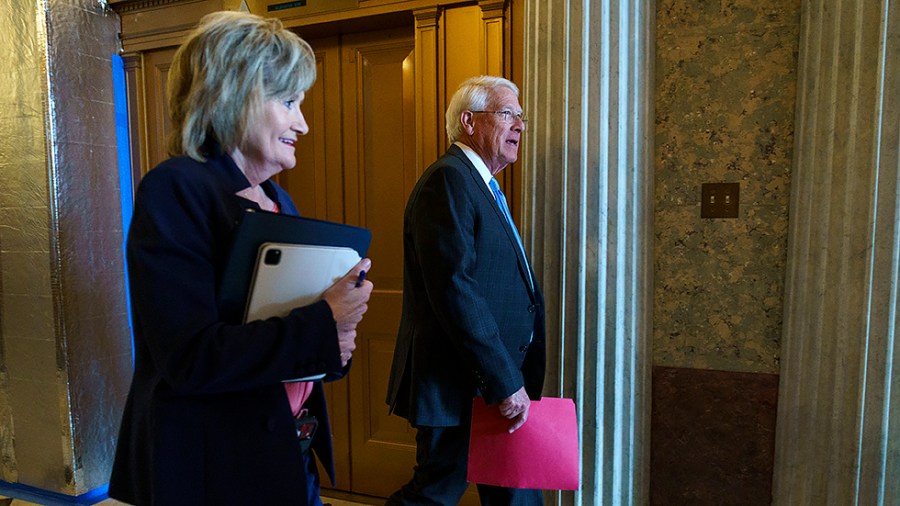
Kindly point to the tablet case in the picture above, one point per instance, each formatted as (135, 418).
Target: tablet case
(257, 227)
(289, 276)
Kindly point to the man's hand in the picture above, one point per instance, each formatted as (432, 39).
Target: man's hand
(515, 407)
(348, 303)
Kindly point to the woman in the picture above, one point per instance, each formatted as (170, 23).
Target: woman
(208, 419)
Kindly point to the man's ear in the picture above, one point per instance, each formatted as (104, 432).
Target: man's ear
(466, 119)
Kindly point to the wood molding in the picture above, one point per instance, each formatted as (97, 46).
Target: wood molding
(152, 24)
(492, 8)
(123, 6)
(132, 61)
(493, 15)
(428, 88)
(427, 17)
(368, 10)
(137, 116)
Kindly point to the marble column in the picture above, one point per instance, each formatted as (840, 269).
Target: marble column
(838, 428)
(65, 350)
(587, 217)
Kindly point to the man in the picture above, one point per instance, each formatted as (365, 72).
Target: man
(473, 319)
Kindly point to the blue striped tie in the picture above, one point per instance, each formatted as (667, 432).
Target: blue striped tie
(501, 201)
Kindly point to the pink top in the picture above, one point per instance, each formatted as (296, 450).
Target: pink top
(297, 391)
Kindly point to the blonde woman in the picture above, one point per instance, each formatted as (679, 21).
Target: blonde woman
(208, 420)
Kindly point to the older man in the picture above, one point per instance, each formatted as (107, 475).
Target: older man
(473, 319)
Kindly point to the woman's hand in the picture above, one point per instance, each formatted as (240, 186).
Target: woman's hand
(348, 303)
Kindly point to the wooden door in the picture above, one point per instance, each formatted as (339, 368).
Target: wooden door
(380, 134)
(357, 165)
(316, 186)
(380, 140)
(156, 74)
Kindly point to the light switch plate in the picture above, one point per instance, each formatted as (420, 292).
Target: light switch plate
(720, 200)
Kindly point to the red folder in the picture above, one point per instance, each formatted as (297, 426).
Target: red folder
(541, 454)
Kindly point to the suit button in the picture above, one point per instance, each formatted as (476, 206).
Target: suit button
(270, 425)
(532, 308)
(523, 349)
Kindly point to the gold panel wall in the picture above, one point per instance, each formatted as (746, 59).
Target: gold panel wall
(64, 337)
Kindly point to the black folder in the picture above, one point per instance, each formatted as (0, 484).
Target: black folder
(258, 227)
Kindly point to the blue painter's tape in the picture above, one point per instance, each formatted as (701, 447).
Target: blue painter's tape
(48, 498)
(123, 148)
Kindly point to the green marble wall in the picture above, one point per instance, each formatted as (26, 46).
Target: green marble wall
(725, 93)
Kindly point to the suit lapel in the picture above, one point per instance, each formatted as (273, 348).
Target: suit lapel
(505, 225)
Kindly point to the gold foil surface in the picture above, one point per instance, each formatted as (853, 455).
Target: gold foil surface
(24, 252)
(64, 340)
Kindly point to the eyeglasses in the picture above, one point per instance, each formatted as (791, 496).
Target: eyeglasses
(506, 115)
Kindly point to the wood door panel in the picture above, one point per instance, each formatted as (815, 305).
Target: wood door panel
(380, 150)
(381, 429)
(387, 154)
(379, 351)
(316, 183)
(156, 68)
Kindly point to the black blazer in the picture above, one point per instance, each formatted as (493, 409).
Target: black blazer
(207, 420)
(471, 323)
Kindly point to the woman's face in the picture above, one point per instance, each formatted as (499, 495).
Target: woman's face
(269, 147)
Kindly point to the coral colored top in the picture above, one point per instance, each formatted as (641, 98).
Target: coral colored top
(297, 391)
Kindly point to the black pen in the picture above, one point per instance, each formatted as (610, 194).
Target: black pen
(360, 279)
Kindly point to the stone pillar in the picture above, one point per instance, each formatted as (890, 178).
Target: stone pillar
(65, 350)
(587, 217)
(838, 435)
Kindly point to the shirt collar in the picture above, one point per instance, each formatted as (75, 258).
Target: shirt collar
(235, 178)
(476, 160)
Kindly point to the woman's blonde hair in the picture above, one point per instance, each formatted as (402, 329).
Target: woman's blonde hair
(472, 95)
(223, 74)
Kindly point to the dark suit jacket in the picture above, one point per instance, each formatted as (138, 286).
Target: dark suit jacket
(468, 308)
(207, 420)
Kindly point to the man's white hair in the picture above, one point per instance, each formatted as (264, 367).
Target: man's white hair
(472, 95)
